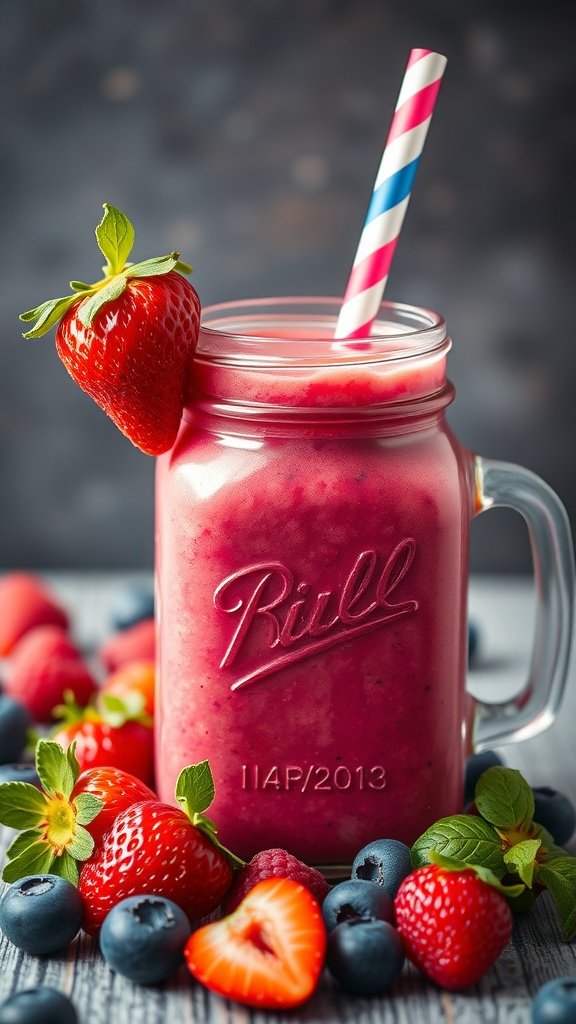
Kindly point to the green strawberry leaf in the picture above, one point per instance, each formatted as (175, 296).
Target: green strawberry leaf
(195, 788)
(483, 873)
(504, 798)
(154, 267)
(46, 315)
(82, 846)
(559, 877)
(115, 237)
(28, 855)
(22, 805)
(91, 306)
(66, 867)
(79, 286)
(464, 837)
(87, 807)
(195, 792)
(520, 859)
(57, 769)
(116, 711)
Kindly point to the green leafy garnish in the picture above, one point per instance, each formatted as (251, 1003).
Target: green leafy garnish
(115, 238)
(54, 837)
(504, 798)
(464, 837)
(520, 859)
(504, 846)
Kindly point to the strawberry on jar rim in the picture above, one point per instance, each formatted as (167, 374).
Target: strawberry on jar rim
(128, 339)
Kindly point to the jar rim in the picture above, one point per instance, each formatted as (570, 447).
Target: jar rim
(249, 332)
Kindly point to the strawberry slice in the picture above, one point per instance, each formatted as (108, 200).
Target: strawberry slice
(268, 953)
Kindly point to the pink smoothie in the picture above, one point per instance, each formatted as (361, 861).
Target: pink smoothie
(312, 578)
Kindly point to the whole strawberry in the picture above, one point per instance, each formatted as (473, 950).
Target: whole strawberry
(274, 863)
(112, 736)
(128, 340)
(116, 791)
(453, 924)
(162, 850)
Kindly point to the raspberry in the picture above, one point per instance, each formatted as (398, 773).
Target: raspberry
(274, 864)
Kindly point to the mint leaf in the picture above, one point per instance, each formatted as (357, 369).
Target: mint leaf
(504, 798)
(466, 838)
(559, 877)
(115, 237)
(92, 305)
(66, 867)
(154, 267)
(483, 873)
(521, 859)
(21, 805)
(28, 855)
(82, 846)
(55, 770)
(195, 788)
(46, 315)
(87, 808)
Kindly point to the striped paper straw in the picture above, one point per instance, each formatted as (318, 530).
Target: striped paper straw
(391, 193)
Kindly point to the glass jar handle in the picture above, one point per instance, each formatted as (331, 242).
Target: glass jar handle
(502, 484)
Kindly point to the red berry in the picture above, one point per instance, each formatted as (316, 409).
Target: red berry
(134, 678)
(45, 664)
(274, 864)
(154, 848)
(128, 339)
(269, 953)
(135, 358)
(138, 643)
(453, 924)
(116, 789)
(129, 747)
(25, 603)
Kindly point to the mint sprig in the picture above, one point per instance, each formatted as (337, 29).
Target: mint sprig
(195, 792)
(115, 238)
(463, 837)
(504, 798)
(503, 842)
(54, 838)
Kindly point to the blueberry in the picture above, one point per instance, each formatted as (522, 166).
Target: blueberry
(555, 1003)
(19, 773)
(385, 861)
(41, 913)
(132, 605)
(14, 724)
(473, 641)
(475, 765)
(143, 938)
(357, 898)
(365, 957)
(41, 1005)
(555, 812)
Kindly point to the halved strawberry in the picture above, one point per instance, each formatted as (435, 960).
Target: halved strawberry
(268, 953)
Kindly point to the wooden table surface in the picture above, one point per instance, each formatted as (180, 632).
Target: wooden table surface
(503, 610)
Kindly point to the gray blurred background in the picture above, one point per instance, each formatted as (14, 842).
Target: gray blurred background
(246, 133)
